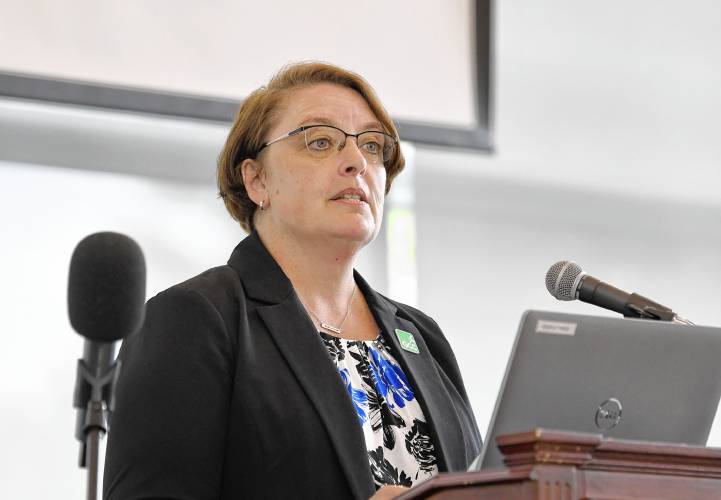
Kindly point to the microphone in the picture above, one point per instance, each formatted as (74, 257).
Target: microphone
(106, 302)
(566, 280)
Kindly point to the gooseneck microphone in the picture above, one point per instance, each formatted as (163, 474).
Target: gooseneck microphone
(106, 302)
(566, 280)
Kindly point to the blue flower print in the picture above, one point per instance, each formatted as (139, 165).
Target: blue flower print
(360, 399)
(389, 377)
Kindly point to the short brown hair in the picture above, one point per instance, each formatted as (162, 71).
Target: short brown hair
(254, 120)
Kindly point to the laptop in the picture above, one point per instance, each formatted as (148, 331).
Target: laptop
(622, 378)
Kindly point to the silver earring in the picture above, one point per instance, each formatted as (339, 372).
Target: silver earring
(262, 202)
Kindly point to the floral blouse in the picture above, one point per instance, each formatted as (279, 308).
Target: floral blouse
(399, 447)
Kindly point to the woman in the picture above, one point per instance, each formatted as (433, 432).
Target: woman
(284, 374)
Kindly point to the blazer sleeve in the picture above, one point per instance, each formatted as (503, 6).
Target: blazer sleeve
(167, 437)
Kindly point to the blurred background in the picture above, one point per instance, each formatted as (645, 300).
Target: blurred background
(534, 132)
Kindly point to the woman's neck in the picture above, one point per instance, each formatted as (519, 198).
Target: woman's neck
(321, 271)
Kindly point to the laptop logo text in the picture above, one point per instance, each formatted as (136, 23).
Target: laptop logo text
(608, 414)
(555, 327)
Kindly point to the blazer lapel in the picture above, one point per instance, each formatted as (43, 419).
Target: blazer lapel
(296, 338)
(294, 334)
(423, 373)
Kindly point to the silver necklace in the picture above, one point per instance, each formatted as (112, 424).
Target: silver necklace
(327, 326)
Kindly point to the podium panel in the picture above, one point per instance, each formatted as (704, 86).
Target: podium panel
(557, 465)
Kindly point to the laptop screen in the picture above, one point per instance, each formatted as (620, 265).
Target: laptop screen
(623, 378)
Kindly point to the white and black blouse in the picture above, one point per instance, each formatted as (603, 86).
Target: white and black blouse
(399, 447)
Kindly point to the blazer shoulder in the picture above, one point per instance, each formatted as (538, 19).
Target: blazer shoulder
(426, 324)
(219, 285)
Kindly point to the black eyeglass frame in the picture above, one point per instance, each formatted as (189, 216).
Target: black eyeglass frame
(303, 128)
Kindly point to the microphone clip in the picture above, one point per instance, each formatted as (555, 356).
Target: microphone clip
(639, 306)
(93, 396)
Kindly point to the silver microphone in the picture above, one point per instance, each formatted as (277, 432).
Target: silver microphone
(566, 280)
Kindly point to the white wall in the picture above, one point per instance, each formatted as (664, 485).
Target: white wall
(607, 154)
(499, 237)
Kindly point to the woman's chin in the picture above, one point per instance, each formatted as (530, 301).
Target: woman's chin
(360, 233)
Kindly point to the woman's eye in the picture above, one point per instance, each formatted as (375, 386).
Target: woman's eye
(372, 147)
(319, 144)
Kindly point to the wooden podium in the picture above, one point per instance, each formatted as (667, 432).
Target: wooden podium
(558, 465)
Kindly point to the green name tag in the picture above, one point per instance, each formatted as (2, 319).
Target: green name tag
(407, 341)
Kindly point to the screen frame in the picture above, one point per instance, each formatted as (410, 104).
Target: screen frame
(222, 110)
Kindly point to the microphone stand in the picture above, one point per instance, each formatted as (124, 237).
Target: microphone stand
(97, 374)
(95, 427)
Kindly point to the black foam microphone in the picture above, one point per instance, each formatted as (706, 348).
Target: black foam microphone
(566, 280)
(106, 287)
(106, 302)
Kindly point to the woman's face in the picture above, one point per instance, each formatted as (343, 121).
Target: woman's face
(317, 198)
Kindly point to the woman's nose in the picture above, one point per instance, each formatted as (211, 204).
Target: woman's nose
(353, 161)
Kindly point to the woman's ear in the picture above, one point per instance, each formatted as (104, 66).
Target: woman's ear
(254, 180)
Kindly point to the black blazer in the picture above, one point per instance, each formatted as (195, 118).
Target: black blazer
(228, 392)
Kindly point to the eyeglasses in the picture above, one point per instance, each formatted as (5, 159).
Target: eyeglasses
(323, 141)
